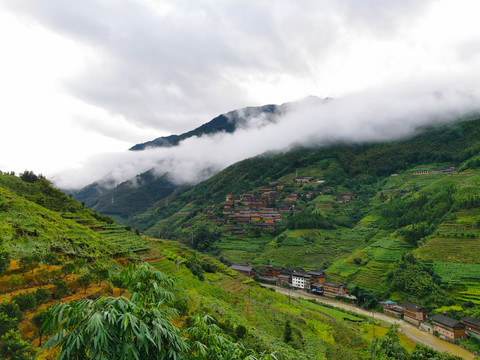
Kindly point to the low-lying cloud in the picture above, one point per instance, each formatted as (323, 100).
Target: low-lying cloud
(375, 115)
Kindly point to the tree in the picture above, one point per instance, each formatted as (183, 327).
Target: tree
(68, 269)
(388, 347)
(4, 260)
(12, 347)
(38, 320)
(29, 262)
(29, 176)
(287, 334)
(7, 324)
(120, 328)
(61, 289)
(12, 310)
(42, 295)
(138, 327)
(101, 273)
(51, 258)
(85, 280)
(117, 282)
(240, 331)
(26, 301)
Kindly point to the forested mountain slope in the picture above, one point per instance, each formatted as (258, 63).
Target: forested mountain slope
(417, 196)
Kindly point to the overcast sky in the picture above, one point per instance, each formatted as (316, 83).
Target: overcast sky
(79, 80)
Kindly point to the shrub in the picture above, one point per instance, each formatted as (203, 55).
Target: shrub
(61, 289)
(68, 268)
(42, 295)
(51, 258)
(25, 301)
(12, 310)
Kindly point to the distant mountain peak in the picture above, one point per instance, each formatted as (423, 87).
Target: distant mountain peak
(228, 122)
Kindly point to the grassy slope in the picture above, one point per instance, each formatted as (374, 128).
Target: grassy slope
(363, 253)
(320, 332)
(35, 217)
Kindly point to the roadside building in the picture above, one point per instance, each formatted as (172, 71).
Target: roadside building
(392, 308)
(273, 271)
(333, 289)
(472, 324)
(245, 269)
(414, 314)
(318, 276)
(448, 328)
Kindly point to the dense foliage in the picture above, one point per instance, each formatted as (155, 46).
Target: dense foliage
(137, 327)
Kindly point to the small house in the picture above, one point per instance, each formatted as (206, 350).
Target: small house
(273, 271)
(318, 276)
(472, 324)
(447, 327)
(413, 313)
(244, 269)
(333, 289)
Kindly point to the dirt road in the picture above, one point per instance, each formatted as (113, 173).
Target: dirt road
(409, 330)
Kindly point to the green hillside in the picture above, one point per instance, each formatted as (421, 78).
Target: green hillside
(128, 198)
(58, 251)
(406, 202)
(35, 217)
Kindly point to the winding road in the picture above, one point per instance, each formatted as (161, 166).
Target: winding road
(409, 330)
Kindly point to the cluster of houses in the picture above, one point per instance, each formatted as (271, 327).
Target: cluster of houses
(313, 281)
(445, 170)
(444, 326)
(259, 209)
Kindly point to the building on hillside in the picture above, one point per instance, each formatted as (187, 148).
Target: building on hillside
(316, 288)
(244, 268)
(333, 289)
(318, 276)
(392, 308)
(284, 279)
(301, 280)
(273, 271)
(303, 179)
(472, 324)
(446, 170)
(413, 313)
(345, 198)
(448, 328)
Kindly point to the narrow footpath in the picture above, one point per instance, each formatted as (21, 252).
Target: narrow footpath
(409, 330)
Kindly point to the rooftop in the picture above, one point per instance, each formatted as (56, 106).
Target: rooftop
(445, 320)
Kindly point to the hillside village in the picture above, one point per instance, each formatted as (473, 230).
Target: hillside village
(264, 208)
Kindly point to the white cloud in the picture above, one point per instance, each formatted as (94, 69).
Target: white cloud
(373, 116)
(102, 75)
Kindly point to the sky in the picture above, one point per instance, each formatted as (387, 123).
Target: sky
(81, 84)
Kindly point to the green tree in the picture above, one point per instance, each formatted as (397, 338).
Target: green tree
(38, 321)
(12, 347)
(84, 281)
(12, 310)
(68, 269)
(240, 331)
(29, 262)
(42, 295)
(120, 328)
(51, 258)
(4, 260)
(388, 347)
(7, 324)
(423, 352)
(61, 289)
(100, 273)
(287, 334)
(25, 301)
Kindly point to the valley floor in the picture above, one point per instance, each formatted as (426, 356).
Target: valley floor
(409, 330)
